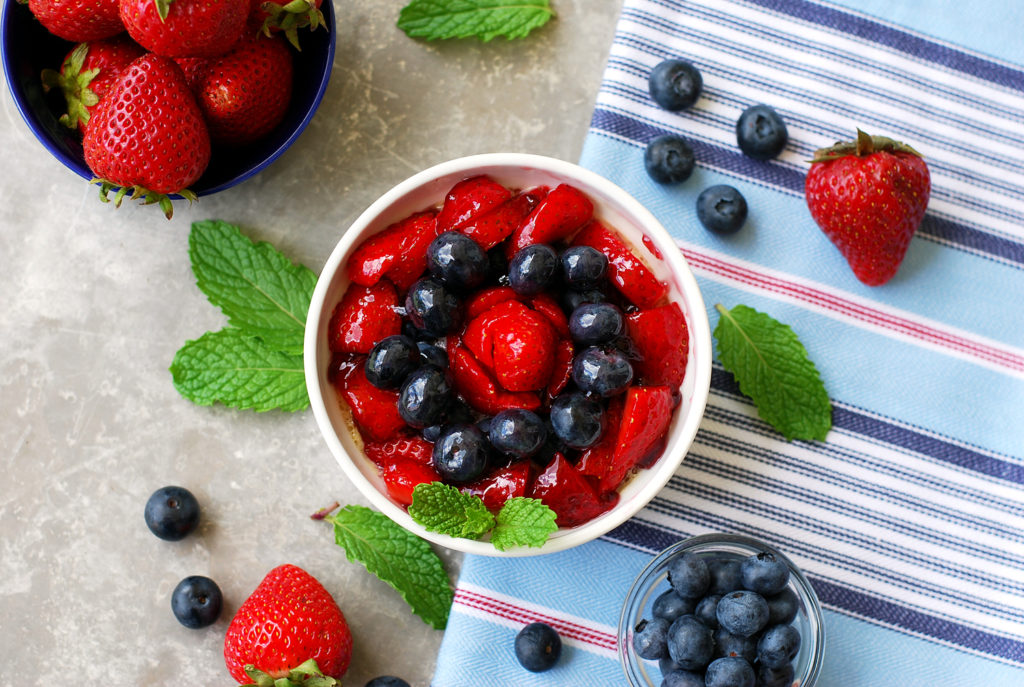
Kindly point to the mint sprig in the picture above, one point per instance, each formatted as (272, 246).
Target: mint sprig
(397, 557)
(773, 369)
(255, 362)
(483, 19)
(444, 509)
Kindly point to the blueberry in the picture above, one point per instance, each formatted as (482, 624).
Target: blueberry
(172, 513)
(457, 260)
(417, 335)
(667, 665)
(690, 643)
(670, 606)
(728, 644)
(596, 323)
(517, 432)
(681, 678)
(460, 453)
(583, 267)
(196, 602)
(533, 269)
(538, 647)
(778, 646)
(775, 677)
(721, 209)
(601, 371)
(391, 360)
(432, 307)
(431, 433)
(570, 300)
(650, 637)
(577, 419)
(761, 133)
(706, 609)
(675, 84)
(387, 681)
(742, 613)
(433, 354)
(668, 159)
(424, 397)
(725, 575)
(688, 574)
(729, 672)
(782, 607)
(764, 573)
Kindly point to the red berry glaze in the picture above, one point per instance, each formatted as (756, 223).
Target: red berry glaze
(399, 252)
(470, 198)
(365, 315)
(626, 271)
(661, 338)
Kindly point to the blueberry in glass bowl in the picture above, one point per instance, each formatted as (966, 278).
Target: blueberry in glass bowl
(776, 637)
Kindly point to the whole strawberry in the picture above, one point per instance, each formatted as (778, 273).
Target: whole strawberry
(147, 135)
(78, 20)
(185, 28)
(244, 94)
(88, 72)
(288, 620)
(869, 196)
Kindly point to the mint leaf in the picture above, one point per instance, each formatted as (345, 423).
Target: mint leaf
(397, 557)
(258, 288)
(523, 522)
(444, 509)
(484, 19)
(240, 371)
(772, 368)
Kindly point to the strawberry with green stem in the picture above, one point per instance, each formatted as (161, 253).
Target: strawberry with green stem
(87, 73)
(147, 136)
(869, 196)
(287, 16)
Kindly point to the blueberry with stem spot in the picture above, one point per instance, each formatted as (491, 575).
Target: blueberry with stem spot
(675, 84)
(196, 602)
(460, 453)
(764, 573)
(172, 513)
(668, 159)
(721, 209)
(761, 133)
(538, 647)
(742, 613)
(650, 637)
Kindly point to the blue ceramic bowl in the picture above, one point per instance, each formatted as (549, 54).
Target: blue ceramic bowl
(27, 48)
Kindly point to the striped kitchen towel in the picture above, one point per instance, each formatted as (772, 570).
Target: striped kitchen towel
(909, 519)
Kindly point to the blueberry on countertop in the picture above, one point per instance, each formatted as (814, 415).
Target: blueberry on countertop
(172, 513)
(675, 84)
(668, 159)
(538, 647)
(387, 681)
(761, 132)
(196, 602)
(721, 209)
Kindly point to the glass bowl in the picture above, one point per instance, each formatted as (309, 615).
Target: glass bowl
(652, 581)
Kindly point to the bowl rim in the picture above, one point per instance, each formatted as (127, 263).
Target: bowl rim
(699, 328)
(805, 591)
(82, 170)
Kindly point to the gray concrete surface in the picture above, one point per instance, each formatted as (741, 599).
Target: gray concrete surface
(97, 301)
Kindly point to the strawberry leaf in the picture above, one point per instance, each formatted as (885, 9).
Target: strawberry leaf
(258, 288)
(397, 557)
(444, 509)
(240, 371)
(484, 19)
(772, 368)
(523, 522)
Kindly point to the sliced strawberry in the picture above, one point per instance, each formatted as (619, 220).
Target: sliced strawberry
(660, 337)
(482, 301)
(470, 198)
(401, 476)
(501, 485)
(564, 490)
(375, 411)
(645, 419)
(626, 271)
(365, 315)
(479, 334)
(407, 446)
(479, 388)
(549, 308)
(561, 370)
(524, 352)
(562, 212)
(399, 252)
(597, 460)
(492, 227)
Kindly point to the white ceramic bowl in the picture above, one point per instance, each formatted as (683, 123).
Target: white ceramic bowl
(613, 206)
